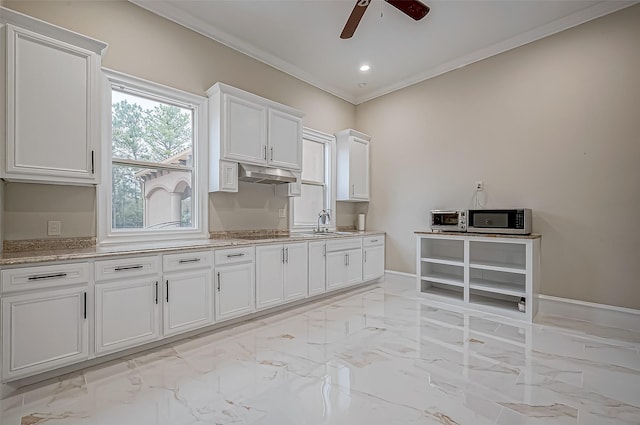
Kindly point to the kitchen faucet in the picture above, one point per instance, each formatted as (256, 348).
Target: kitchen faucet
(325, 217)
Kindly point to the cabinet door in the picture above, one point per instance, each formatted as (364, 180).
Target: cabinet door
(317, 256)
(245, 131)
(127, 313)
(44, 330)
(235, 285)
(285, 140)
(336, 269)
(188, 301)
(295, 271)
(373, 262)
(359, 169)
(354, 266)
(53, 121)
(269, 275)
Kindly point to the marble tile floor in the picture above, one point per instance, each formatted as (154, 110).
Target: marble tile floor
(376, 356)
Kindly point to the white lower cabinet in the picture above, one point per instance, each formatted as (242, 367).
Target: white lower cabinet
(127, 305)
(317, 267)
(234, 279)
(44, 330)
(344, 263)
(281, 273)
(372, 257)
(127, 313)
(188, 301)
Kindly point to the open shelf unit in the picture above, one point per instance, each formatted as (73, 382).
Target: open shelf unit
(486, 272)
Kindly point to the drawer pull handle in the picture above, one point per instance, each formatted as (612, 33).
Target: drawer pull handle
(374, 240)
(235, 255)
(48, 276)
(122, 268)
(218, 281)
(192, 260)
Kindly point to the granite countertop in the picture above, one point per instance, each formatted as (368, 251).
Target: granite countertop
(105, 251)
(481, 235)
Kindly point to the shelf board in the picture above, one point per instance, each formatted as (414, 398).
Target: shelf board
(498, 287)
(444, 278)
(451, 261)
(508, 306)
(442, 293)
(499, 267)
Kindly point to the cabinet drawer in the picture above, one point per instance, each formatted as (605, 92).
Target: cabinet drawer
(26, 278)
(187, 260)
(344, 244)
(234, 255)
(373, 240)
(126, 267)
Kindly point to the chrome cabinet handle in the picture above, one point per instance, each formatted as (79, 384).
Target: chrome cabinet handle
(156, 292)
(272, 153)
(374, 240)
(235, 255)
(345, 259)
(47, 276)
(218, 281)
(167, 283)
(286, 250)
(192, 260)
(122, 268)
(85, 305)
(348, 260)
(265, 152)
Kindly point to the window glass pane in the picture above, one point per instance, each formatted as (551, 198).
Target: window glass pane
(312, 161)
(144, 198)
(308, 205)
(149, 130)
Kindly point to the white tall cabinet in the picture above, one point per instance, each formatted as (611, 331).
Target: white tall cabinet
(352, 165)
(52, 118)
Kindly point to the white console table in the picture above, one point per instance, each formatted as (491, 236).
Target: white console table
(486, 272)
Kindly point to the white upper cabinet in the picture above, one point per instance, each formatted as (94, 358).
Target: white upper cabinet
(246, 130)
(285, 140)
(250, 129)
(352, 166)
(52, 118)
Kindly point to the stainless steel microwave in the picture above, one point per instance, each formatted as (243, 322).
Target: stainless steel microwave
(449, 220)
(514, 222)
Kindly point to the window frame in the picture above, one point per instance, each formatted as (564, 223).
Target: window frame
(170, 95)
(329, 142)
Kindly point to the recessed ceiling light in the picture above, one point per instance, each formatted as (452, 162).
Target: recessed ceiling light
(364, 68)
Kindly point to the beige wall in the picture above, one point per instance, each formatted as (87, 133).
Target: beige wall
(553, 126)
(145, 45)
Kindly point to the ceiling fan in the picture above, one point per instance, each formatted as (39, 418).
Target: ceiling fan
(412, 8)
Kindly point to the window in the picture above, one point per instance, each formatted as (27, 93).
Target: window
(318, 181)
(151, 185)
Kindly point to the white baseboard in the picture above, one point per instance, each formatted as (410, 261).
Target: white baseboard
(602, 314)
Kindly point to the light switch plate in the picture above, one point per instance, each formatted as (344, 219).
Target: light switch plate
(54, 228)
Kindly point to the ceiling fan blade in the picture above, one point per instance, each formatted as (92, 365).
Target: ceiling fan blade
(412, 8)
(354, 18)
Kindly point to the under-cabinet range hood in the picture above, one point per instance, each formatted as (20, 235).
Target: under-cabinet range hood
(259, 174)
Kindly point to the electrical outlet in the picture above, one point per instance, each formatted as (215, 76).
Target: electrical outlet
(479, 185)
(54, 228)
(282, 213)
